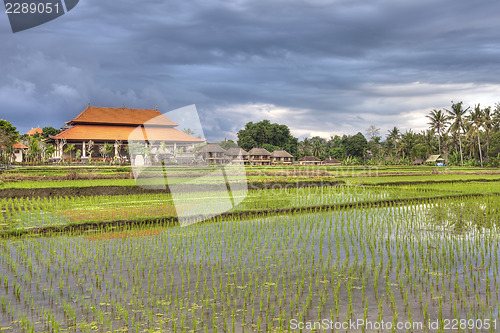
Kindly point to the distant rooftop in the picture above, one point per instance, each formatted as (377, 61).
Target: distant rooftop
(34, 131)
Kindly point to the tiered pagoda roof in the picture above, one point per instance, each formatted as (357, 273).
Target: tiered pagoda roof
(110, 124)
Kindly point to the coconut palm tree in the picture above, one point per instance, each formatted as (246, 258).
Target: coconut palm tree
(408, 140)
(307, 144)
(488, 125)
(476, 119)
(496, 117)
(393, 136)
(427, 138)
(456, 115)
(438, 122)
(317, 148)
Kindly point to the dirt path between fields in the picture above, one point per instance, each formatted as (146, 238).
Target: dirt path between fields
(124, 190)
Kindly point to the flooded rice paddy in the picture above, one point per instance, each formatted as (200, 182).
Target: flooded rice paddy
(396, 264)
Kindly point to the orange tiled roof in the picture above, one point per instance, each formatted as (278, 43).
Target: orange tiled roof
(33, 131)
(121, 116)
(112, 133)
(19, 145)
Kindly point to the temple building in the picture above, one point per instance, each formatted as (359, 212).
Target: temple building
(95, 127)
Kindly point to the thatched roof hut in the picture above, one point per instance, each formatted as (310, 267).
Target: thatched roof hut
(435, 159)
(212, 148)
(258, 152)
(236, 151)
(281, 153)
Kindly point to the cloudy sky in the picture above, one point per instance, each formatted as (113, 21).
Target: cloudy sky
(322, 67)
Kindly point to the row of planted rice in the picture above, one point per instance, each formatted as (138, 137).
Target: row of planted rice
(391, 265)
(21, 213)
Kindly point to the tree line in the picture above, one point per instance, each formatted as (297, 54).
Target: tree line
(464, 136)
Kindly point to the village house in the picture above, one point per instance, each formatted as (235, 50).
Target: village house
(331, 161)
(309, 160)
(237, 155)
(98, 126)
(259, 156)
(18, 152)
(281, 157)
(213, 154)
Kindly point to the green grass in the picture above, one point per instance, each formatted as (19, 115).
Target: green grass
(419, 178)
(68, 183)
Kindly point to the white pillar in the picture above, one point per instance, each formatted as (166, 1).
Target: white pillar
(84, 152)
(116, 150)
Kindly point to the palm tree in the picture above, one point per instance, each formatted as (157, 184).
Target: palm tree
(488, 124)
(456, 114)
(476, 119)
(438, 122)
(496, 117)
(393, 136)
(408, 140)
(307, 144)
(427, 138)
(317, 148)
(69, 148)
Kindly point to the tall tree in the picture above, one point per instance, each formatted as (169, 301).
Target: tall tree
(392, 137)
(48, 131)
(263, 132)
(457, 114)
(476, 118)
(373, 133)
(496, 117)
(408, 140)
(8, 136)
(317, 148)
(438, 122)
(488, 125)
(355, 145)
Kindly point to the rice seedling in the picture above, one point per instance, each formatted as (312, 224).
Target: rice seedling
(387, 262)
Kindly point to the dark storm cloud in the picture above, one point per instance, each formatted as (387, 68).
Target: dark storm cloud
(319, 66)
